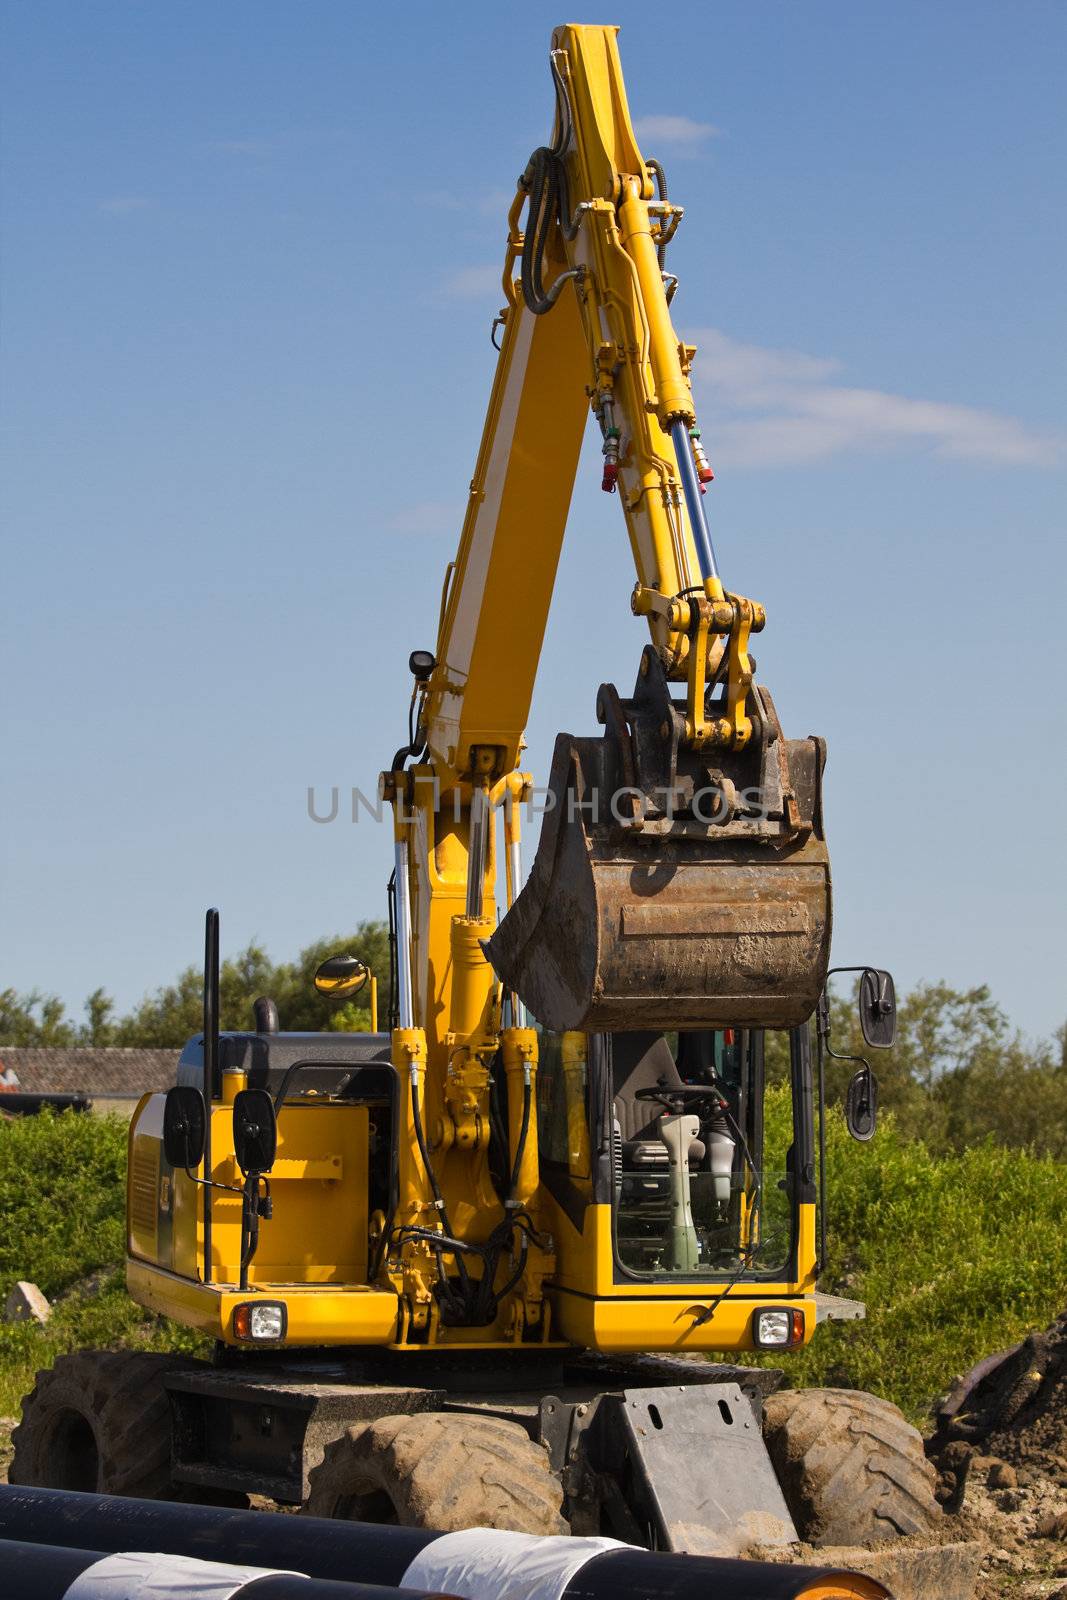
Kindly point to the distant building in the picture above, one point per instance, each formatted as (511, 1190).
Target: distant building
(114, 1079)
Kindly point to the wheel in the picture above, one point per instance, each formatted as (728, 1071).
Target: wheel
(438, 1470)
(851, 1467)
(99, 1420)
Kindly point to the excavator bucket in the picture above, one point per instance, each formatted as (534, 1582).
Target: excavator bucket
(670, 891)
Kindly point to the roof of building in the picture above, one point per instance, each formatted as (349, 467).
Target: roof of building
(125, 1074)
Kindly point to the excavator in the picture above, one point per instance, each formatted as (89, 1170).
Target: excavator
(470, 1269)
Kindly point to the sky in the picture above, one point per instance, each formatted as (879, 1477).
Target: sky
(251, 255)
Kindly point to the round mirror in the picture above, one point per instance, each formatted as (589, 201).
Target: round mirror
(338, 977)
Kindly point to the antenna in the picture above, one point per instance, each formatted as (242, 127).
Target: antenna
(211, 1061)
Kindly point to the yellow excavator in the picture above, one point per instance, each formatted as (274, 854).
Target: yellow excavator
(450, 1268)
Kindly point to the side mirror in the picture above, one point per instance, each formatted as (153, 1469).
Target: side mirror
(255, 1130)
(338, 977)
(878, 1008)
(184, 1127)
(861, 1104)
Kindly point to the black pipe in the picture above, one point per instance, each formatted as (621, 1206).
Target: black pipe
(24, 1103)
(380, 1554)
(211, 1062)
(45, 1572)
(40, 1572)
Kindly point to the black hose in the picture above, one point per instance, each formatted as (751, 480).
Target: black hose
(661, 189)
(415, 745)
(524, 1246)
(390, 895)
(545, 181)
(476, 1303)
(420, 1136)
(524, 1133)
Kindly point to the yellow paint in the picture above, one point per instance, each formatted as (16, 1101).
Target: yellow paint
(317, 1316)
(608, 344)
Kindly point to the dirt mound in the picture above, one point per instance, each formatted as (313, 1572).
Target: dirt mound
(1000, 1447)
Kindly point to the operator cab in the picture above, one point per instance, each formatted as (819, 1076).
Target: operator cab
(691, 1171)
(702, 1156)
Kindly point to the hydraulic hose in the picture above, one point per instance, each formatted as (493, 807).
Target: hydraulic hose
(424, 1152)
(545, 181)
(524, 1133)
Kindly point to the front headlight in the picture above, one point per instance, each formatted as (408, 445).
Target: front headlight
(261, 1320)
(777, 1328)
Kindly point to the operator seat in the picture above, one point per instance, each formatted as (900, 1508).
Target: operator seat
(644, 1061)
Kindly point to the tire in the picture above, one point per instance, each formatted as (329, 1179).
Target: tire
(851, 1467)
(438, 1470)
(99, 1420)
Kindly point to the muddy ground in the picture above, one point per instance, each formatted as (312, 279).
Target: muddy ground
(1000, 1446)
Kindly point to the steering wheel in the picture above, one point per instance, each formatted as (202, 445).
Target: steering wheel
(701, 1098)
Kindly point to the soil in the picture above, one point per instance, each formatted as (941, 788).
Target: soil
(1000, 1446)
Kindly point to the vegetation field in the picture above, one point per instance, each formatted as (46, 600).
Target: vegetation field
(62, 1203)
(956, 1254)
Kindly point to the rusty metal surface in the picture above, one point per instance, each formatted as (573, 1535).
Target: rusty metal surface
(677, 920)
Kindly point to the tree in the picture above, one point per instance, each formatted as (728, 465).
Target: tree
(957, 1073)
(175, 1012)
(98, 1029)
(34, 1019)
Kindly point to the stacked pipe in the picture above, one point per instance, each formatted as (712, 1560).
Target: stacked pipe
(53, 1540)
(45, 1572)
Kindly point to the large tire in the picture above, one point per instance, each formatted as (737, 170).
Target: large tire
(99, 1420)
(438, 1470)
(851, 1467)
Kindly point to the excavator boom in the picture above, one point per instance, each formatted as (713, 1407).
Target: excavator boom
(682, 878)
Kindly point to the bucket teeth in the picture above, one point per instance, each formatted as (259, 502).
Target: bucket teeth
(675, 921)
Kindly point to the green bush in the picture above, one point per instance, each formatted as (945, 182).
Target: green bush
(62, 1198)
(62, 1207)
(955, 1255)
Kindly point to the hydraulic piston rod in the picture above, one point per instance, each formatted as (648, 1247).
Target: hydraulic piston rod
(694, 500)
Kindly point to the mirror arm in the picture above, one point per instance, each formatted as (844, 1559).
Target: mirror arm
(250, 1215)
(822, 1020)
(860, 1061)
(283, 1087)
(209, 1183)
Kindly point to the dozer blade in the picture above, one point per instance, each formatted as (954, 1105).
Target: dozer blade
(670, 920)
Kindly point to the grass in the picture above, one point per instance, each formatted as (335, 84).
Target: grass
(956, 1256)
(62, 1200)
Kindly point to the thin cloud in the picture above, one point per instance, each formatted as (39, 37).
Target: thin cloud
(427, 517)
(682, 133)
(767, 407)
(121, 205)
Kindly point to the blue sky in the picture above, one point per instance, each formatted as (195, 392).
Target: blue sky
(251, 258)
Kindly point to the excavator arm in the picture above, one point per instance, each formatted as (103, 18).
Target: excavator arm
(681, 878)
(586, 324)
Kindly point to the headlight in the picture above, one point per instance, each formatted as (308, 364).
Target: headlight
(778, 1328)
(264, 1320)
